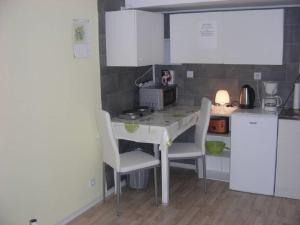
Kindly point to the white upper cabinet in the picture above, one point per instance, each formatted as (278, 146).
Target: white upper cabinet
(196, 38)
(253, 37)
(134, 38)
(236, 37)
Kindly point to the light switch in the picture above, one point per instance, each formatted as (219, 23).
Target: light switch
(257, 76)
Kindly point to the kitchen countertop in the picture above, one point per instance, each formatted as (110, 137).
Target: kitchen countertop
(290, 114)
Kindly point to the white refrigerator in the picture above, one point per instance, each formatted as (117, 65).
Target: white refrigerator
(253, 151)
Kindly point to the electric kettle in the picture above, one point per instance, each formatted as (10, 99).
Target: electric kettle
(247, 97)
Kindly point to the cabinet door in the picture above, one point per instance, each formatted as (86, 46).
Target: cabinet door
(288, 159)
(253, 153)
(253, 37)
(134, 38)
(121, 48)
(150, 38)
(196, 37)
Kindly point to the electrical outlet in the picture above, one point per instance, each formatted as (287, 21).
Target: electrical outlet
(190, 74)
(92, 182)
(257, 76)
(33, 222)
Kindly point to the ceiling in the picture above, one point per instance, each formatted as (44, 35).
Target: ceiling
(180, 5)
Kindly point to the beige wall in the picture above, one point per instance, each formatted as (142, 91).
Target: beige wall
(48, 146)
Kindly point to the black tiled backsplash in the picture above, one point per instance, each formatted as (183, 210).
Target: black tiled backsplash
(292, 16)
(210, 78)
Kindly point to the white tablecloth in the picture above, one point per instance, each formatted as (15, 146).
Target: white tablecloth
(161, 127)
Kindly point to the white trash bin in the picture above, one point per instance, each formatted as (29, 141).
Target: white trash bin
(139, 179)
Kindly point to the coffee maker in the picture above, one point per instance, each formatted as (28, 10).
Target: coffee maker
(270, 101)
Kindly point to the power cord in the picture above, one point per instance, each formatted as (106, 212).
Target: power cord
(258, 93)
(140, 77)
(291, 92)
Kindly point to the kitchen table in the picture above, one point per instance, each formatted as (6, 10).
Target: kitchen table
(159, 128)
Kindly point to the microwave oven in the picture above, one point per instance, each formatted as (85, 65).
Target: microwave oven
(158, 97)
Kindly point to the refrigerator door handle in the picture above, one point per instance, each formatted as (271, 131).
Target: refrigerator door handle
(253, 123)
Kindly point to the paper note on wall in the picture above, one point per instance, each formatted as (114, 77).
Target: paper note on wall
(81, 39)
(208, 35)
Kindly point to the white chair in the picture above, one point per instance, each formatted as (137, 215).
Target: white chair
(121, 163)
(195, 150)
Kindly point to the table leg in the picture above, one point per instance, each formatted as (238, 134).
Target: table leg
(164, 177)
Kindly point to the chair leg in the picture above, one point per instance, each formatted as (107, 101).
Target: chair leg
(103, 181)
(155, 185)
(115, 180)
(204, 171)
(118, 187)
(197, 166)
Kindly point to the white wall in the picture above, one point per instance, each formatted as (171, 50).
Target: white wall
(48, 146)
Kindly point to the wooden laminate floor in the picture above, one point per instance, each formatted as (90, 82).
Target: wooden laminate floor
(189, 205)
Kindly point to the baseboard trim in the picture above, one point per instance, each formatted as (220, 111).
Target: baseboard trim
(80, 211)
(85, 208)
(291, 193)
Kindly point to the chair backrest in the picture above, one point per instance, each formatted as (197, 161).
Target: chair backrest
(203, 122)
(108, 143)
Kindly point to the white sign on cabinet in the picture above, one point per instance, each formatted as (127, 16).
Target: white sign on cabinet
(208, 35)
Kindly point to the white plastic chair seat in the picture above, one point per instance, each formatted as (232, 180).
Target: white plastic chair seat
(135, 160)
(184, 150)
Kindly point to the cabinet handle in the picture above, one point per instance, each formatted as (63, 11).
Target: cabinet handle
(253, 123)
